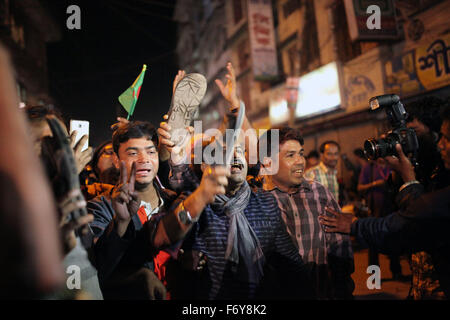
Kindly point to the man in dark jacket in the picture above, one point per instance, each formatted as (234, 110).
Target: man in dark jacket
(422, 223)
(121, 254)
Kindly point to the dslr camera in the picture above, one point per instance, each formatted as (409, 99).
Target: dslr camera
(406, 137)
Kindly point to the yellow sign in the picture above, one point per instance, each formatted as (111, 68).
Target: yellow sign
(433, 63)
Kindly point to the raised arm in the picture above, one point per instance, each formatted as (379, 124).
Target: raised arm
(174, 225)
(229, 92)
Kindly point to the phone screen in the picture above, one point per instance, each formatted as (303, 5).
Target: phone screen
(82, 128)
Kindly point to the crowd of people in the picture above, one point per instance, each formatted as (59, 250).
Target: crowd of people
(142, 218)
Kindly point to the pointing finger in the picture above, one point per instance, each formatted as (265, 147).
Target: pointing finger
(123, 172)
(132, 178)
(81, 143)
(231, 70)
(165, 128)
(72, 138)
(220, 85)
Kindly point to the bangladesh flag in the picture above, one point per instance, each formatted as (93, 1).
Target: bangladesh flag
(129, 98)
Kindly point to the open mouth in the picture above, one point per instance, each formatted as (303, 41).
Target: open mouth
(298, 171)
(143, 172)
(236, 166)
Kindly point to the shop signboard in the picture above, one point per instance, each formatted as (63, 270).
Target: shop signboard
(424, 68)
(262, 39)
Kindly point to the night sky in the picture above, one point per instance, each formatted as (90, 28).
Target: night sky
(89, 68)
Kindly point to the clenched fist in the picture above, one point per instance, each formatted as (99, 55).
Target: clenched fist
(214, 182)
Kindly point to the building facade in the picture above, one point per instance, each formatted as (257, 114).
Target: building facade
(409, 56)
(26, 26)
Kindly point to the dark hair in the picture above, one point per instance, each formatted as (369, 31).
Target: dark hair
(322, 146)
(445, 114)
(97, 154)
(134, 130)
(427, 111)
(284, 135)
(38, 113)
(312, 154)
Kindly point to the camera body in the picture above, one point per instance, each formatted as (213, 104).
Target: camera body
(406, 137)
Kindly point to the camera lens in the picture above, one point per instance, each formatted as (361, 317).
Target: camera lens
(370, 149)
(374, 149)
(384, 147)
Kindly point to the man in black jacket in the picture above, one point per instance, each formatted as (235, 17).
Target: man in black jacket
(123, 262)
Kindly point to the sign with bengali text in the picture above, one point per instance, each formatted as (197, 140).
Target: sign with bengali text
(424, 68)
(262, 39)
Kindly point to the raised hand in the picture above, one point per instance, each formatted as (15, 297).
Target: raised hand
(167, 147)
(229, 89)
(124, 198)
(402, 165)
(82, 158)
(214, 182)
(180, 75)
(120, 122)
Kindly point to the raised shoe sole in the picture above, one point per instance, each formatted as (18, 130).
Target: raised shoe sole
(186, 99)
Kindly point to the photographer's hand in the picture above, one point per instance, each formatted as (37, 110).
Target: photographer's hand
(341, 222)
(402, 165)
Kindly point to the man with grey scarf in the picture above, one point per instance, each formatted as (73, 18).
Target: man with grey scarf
(242, 237)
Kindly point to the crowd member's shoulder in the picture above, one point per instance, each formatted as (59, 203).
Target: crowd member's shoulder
(315, 185)
(101, 208)
(260, 192)
(310, 174)
(97, 189)
(324, 195)
(100, 203)
(265, 199)
(255, 182)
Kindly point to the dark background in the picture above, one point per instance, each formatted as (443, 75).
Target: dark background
(90, 68)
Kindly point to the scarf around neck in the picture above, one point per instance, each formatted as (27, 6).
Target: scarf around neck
(242, 241)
